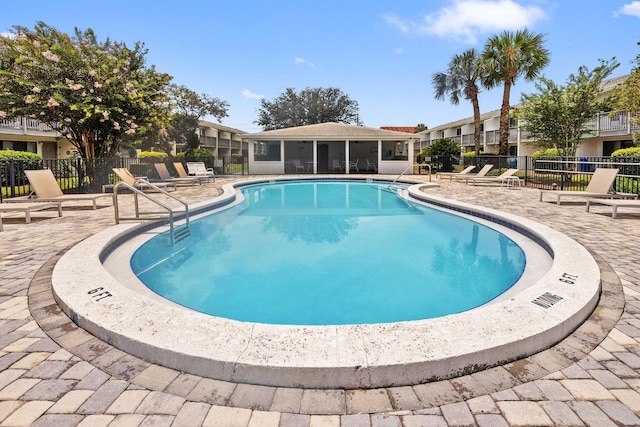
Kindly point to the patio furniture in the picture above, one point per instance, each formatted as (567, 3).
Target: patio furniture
(501, 179)
(46, 189)
(165, 176)
(200, 170)
(599, 186)
(26, 208)
(615, 204)
(467, 176)
(465, 171)
(140, 182)
(182, 173)
(371, 166)
(298, 166)
(354, 165)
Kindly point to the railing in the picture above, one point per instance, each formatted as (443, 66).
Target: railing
(563, 173)
(25, 123)
(175, 233)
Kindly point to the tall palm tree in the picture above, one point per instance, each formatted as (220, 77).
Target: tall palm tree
(508, 56)
(462, 78)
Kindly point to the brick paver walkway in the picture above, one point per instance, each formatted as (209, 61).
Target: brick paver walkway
(54, 374)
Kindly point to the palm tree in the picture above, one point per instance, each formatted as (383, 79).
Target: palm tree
(508, 56)
(464, 74)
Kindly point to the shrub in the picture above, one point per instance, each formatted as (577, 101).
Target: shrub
(627, 155)
(627, 152)
(549, 152)
(20, 155)
(153, 156)
(25, 160)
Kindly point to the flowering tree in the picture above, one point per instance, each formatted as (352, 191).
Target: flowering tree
(92, 93)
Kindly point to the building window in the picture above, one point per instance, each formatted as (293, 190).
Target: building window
(266, 151)
(395, 150)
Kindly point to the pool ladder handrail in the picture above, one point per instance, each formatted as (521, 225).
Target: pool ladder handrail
(176, 233)
(409, 167)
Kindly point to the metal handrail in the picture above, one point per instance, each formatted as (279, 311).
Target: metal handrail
(136, 191)
(405, 171)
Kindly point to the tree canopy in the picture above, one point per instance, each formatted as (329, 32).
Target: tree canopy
(92, 93)
(181, 125)
(508, 56)
(307, 107)
(556, 116)
(462, 78)
(626, 96)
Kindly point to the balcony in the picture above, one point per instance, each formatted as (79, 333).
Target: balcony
(25, 126)
(208, 141)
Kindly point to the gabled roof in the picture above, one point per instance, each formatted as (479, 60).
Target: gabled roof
(405, 129)
(329, 131)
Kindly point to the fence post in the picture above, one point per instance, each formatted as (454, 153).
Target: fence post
(12, 178)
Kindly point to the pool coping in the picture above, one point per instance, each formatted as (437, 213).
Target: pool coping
(346, 356)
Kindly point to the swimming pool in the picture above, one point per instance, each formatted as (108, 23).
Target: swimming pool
(329, 253)
(557, 291)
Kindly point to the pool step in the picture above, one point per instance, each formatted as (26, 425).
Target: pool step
(181, 232)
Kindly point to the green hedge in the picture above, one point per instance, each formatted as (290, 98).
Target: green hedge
(21, 155)
(153, 156)
(627, 152)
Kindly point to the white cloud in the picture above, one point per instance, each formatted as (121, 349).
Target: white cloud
(8, 35)
(631, 9)
(465, 19)
(302, 61)
(248, 94)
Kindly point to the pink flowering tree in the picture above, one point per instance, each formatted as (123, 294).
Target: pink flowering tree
(95, 94)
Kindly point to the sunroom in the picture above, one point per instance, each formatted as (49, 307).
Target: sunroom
(330, 148)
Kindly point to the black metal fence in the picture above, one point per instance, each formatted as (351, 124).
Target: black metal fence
(83, 176)
(562, 173)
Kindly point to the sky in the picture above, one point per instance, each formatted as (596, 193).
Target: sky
(382, 54)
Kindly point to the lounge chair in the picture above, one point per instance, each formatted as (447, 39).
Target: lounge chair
(200, 170)
(599, 187)
(465, 171)
(615, 204)
(46, 189)
(182, 173)
(467, 176)
(165, 176)
(505, 178)
(26, 208)
(141, 183)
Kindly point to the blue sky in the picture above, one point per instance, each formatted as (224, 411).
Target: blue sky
(381, 53)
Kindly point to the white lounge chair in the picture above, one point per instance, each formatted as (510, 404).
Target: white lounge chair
(165, 176)
(46, 189)
(465, 171)
(467, 176)
(200, 170)
(599, 186)
(502, 179)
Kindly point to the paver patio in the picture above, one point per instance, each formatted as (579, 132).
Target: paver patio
(54, 374)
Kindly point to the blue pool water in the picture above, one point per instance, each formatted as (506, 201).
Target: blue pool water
(327, 253)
